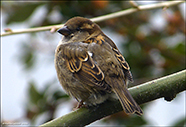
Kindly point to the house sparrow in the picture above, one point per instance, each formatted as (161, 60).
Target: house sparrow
(90, 67)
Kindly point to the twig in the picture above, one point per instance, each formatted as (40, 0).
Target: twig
(167, 87)
(134, 4)
(53, 28)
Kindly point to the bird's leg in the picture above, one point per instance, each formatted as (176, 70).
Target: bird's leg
(80, 104)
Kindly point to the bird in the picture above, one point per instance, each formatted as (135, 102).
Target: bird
(90, 67)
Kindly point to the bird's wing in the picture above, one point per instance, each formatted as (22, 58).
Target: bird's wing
(80, 63)
(124, 64)
(101, 39)
(120, 58)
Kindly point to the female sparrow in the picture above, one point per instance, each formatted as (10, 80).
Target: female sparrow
(90, 67)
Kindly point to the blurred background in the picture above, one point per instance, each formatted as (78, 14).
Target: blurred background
(152, 42)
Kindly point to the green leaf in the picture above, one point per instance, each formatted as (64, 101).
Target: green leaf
(60, 95)
(180, 48)
(21, 13)
(180, 123)
(136, 121)
(34, 94)
(27, 57)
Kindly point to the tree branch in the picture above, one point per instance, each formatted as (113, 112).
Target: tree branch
(135, 8)
(166, 87)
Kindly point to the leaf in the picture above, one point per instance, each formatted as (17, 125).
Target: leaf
(60, 95)
(34, 94)
(27, 57)
(180, 123)
(21, 13)
(135, 121)
(180, 48)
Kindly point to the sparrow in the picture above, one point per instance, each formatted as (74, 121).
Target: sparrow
(90, 67)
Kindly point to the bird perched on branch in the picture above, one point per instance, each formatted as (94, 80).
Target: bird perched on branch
(90, 67)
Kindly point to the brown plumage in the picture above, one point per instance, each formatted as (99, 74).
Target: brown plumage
(90, 67)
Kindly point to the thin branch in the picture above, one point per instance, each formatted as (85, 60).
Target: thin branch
(167, 87)
(53, 28)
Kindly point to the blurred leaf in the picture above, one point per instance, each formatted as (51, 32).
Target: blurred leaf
(135, 121)
(53, 95)
(34, 94)
(46, 89)
(21, 12)
(180, 123)
(44, 101)
(59, 95)
(180, 48)
(27, 57)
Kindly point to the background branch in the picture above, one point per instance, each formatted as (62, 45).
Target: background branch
(53, 28)
(166, 87)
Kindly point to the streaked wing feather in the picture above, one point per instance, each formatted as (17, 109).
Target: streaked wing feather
(121, 59)
(80, 63)
(91, 74)
(127, 101)
(129, 76)
(124, 64)
(92, 69)
(74, 65)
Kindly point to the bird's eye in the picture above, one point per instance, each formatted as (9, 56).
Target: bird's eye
(78, 29)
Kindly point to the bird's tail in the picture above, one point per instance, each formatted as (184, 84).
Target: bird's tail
(128, 103)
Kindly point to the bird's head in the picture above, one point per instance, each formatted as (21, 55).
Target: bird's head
(79, 29)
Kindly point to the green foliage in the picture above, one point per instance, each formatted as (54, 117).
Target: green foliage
(135, 121)
(180, 123)
(21, 11)
(27, 57)
(34, 94)
(43, 101)
(180, 48)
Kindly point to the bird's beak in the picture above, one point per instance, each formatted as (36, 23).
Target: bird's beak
(64, 31)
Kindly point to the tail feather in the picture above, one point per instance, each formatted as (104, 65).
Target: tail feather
(128, 103)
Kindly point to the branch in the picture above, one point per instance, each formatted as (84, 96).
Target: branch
(166, 87)
(135, 8)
